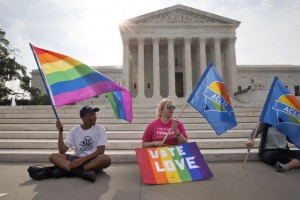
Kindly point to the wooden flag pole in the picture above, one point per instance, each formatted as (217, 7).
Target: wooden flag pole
(176, 120)
(248, 152)
(44, 82)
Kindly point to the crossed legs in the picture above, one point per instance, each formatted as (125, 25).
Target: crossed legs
(86, 170)
(100, 162)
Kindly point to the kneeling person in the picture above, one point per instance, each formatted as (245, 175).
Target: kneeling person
(89, 140)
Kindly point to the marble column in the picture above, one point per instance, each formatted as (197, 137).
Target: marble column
(188, 66)
(156, 72)
(226, 67)
(126, 73)
(141, 71)
(171, 68)
(218, 59)
(232, 66)
(203, 62)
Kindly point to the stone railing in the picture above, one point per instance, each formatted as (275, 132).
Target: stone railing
(241, 92)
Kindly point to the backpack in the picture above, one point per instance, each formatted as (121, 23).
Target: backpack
(40, 172)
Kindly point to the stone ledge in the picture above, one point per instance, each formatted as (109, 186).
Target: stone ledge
(122, 156)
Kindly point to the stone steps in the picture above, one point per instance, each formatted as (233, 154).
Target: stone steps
(142, 120)
(107, 108)
(41, 155)
(114, 127)
(216, 143)
(28, 133)
(198, 134)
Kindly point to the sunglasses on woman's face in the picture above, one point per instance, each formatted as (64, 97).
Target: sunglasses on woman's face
(171, 107)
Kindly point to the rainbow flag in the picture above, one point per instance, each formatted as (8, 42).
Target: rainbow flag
(172, 164)
(282, 110)
(211, 99)
(117, 99)
(70, 80)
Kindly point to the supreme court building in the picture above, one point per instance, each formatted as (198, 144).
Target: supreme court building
(166, 51)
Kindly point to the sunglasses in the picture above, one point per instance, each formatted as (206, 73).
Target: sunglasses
(171, 107)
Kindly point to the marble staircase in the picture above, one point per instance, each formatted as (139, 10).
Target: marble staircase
(28, 133)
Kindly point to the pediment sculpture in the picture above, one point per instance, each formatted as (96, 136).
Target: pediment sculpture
(180, 16)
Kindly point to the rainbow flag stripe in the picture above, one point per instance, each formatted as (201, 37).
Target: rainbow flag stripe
(121, 110)
(172, 164)
(70, 80)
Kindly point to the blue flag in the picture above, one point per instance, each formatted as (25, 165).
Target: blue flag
(282, 110)
(211, 99)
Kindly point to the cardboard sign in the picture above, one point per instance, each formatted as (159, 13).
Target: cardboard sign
(172, 164)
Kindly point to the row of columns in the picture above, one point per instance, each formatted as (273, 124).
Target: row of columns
(231, 62)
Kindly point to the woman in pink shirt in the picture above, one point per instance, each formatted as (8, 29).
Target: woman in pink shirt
(160, 127)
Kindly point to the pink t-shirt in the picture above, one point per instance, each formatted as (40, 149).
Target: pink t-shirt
(157, 130)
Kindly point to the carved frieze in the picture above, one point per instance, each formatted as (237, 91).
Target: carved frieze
(180, 16)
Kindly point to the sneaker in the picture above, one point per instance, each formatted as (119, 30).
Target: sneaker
(281, 167)
(58, 173)
(89, 176)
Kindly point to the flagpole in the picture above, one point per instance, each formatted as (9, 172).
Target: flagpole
(44, 82)
(248, 152)
(176, 120)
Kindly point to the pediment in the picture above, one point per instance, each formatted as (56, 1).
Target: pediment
(181, 14)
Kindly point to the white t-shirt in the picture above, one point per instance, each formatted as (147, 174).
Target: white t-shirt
(86, 142)
(275, 139)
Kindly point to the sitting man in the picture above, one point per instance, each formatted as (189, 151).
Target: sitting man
(88, 140)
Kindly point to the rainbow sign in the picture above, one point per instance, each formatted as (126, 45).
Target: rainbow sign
(172, 164)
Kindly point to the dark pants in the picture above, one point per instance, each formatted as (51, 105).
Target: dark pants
(272, 156)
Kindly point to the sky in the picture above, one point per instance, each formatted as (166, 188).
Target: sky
(88, 30)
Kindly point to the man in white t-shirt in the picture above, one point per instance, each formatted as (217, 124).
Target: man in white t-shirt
(88, 141)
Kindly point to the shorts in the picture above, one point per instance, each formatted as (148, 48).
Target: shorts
(70, 158)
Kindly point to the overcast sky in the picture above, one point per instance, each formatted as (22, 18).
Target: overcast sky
(87, 30)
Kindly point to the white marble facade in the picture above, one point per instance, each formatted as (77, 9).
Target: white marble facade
(259, 78)
(166, 51)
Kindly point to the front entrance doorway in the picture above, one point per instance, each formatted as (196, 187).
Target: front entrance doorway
(179, 84)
